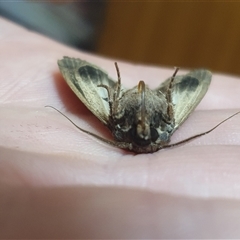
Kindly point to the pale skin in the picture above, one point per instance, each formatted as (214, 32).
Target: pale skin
(57, 182)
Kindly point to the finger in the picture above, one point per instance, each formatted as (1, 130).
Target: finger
(77, 212)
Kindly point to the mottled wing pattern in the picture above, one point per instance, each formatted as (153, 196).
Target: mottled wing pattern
(84, 78)
(188, 90)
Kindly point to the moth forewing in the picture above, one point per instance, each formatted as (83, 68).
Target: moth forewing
(140, 119)
(187, 92)
(84, 78)
(198, 84)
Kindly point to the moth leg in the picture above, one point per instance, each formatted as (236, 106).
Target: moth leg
(169, 96)
(113, 97)
(141, 90)
(116, 93)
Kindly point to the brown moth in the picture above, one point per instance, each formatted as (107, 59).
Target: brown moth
(140, 119)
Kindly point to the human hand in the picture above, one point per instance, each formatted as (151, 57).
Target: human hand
(63, 183)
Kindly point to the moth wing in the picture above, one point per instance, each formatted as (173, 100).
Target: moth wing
(188, 90)
(83, 78)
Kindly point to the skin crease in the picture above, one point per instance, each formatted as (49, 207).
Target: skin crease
(57, 182)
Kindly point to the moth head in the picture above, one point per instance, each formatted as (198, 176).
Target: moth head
(143, 135)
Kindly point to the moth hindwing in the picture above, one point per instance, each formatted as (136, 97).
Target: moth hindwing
(141, 120)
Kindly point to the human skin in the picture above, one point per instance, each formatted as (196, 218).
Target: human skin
(57, 182)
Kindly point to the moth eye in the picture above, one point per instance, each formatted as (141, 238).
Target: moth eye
(154, 134)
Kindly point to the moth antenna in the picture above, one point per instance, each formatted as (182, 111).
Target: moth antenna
(141, 90)
(112, 143)
(200, 134)
(118, 82)
(175, 72)
(118, 73)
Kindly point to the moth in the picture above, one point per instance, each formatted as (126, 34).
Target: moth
(140, 119)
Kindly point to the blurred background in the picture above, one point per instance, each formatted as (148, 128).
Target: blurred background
(187, 34)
